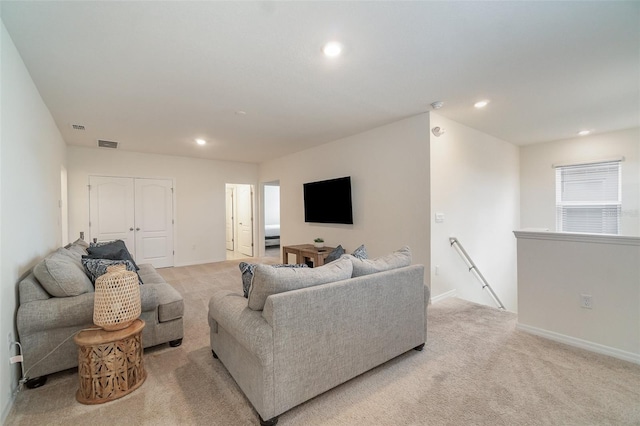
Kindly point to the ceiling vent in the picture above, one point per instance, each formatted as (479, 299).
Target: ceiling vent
(77, 127)
(107, 144)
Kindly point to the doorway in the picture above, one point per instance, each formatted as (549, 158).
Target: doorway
(239, 221)
(272, 219)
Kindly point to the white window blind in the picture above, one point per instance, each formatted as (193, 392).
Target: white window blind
(588, 198)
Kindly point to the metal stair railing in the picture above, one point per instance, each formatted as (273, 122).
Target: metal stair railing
(473, 268)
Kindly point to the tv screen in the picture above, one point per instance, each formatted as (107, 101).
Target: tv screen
(328, 201)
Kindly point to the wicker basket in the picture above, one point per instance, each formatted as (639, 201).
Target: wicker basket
(117, 300)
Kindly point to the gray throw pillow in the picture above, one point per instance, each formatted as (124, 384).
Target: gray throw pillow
(115, 250)
(334, 255)
(247, 273)
(397, 259)
(61, 277)
(268, 280)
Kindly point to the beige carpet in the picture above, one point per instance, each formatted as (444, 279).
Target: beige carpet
(475, 370)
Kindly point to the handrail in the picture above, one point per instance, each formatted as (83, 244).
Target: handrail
(472, 267)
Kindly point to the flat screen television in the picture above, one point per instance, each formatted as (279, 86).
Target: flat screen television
(328, 201)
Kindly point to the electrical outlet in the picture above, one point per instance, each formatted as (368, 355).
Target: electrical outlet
(586, 301)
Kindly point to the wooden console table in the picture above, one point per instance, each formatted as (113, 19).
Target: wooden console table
(110, 363)
(306, 252)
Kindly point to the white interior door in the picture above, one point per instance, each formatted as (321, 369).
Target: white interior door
(244, 195)
(230, 218)
(111, 210)
(154, 222)
(137, 211)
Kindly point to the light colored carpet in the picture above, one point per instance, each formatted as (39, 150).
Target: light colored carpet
(476, 369)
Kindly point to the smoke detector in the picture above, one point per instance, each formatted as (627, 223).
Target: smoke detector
(437, 131)
(107, 144)
(437, 104)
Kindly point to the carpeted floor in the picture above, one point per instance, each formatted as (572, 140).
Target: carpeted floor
(476, 369)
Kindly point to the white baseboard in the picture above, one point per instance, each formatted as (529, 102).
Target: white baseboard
(7, 408)
(582, 344)
(445, 295)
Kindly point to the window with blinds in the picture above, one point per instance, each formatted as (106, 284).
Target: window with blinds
(588, 198)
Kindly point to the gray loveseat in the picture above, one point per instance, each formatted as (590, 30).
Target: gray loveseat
(305, 331)
(47, 320)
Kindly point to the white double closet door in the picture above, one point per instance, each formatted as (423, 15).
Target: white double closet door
(138, 211)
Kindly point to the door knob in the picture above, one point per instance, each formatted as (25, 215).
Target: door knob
(130, 229)
(137, 229)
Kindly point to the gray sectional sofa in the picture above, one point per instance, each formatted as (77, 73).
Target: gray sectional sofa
(304, 331)
(53, 311)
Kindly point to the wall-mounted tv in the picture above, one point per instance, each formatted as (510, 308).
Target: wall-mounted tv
(328, 201)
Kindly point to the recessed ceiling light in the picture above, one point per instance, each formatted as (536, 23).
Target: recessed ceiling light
(332, 49)
(201, 142)
(241, 112)
(481, 104)
(584, 132)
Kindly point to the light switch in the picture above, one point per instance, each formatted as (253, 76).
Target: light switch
(439, 217)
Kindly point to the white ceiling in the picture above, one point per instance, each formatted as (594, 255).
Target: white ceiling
(156, 75)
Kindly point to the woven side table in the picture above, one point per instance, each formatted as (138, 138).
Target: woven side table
(110, 363)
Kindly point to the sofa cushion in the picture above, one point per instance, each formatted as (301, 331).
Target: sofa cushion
(397, 259)
(81, 243)
(61, 277)
(247, 273)
(74, 256)
(98, 267)
(169, 300)
(268, 280)
(115, 250)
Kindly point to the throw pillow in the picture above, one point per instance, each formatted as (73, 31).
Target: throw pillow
(97, 267)
(360, 252)
(268, 280)
(334, 255)
(397, 259)
(61, 277)
(115, 250)
(247, 273)
(81, 243)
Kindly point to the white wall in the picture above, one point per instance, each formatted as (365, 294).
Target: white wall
(538, 194)
(475, 184)
(32, 153)
(199, 194)
(555, 269)
(389, 169)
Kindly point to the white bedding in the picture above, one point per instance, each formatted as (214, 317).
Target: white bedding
(272, 230)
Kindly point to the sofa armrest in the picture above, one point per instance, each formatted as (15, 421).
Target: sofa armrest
(59, 312)
(231, 311)
(53, 313)
(148, 298)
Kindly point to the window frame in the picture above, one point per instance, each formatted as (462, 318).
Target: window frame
(609, 221)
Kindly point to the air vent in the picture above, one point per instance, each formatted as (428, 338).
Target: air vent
(77, 127)
(107, 144)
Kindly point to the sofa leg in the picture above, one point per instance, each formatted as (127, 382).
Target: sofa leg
(419, 347)
(214, 354)
(271, 422)
(175, 343)
(36, 382)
